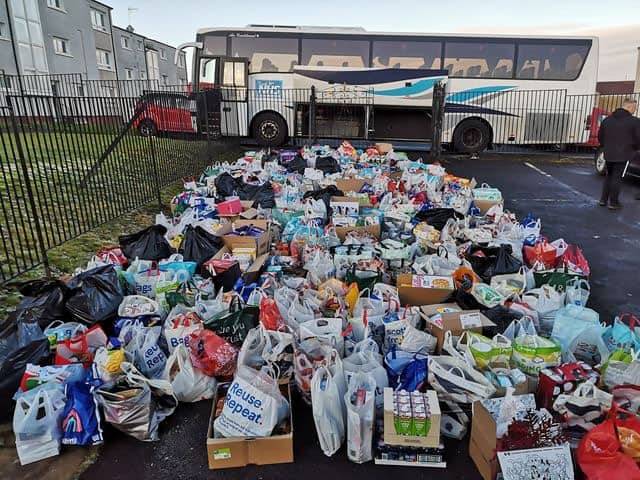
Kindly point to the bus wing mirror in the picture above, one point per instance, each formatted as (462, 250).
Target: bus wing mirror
(182, 46)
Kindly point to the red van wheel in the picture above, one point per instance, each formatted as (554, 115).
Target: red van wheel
(147, 128)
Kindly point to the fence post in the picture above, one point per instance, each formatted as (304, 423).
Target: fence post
(156, 173)
(312, 115)
(27, 182)
(437, 117)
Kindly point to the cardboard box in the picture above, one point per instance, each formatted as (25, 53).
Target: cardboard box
(485, 205)
(345, 206)
(432, 440)
(241, 451)
(412, 294)
(450, 317)
(251, 274)
(262, 244)
(373, 230)
(350, 184)
(483, 442)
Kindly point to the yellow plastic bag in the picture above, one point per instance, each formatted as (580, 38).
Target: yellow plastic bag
(353, 293)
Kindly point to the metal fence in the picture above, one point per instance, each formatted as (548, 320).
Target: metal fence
(71, 163)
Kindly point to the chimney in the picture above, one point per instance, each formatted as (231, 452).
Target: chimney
(130, 28)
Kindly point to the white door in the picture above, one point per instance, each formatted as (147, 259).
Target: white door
(153, 66)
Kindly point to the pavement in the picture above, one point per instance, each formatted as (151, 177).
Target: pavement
(562, 191)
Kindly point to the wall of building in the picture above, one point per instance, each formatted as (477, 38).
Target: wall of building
(637, 88)
(103, 40)
(133, 58)
(73, 25)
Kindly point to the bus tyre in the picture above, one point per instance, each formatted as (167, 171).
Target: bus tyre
(471, 136)
(269, 129)
(600, 164)
(147, 128)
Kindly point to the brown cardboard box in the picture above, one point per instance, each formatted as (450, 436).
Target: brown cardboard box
(485, 205)
(350, 184)
(483, 442)
(373, 230)
(253, 272)
(456, 321)
(432, 440)
(262, 244)
(418, 296)
(241, 451)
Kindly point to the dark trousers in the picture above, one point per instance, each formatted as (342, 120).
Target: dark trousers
(613, 182)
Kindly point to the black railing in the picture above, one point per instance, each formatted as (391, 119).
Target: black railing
(69, 164)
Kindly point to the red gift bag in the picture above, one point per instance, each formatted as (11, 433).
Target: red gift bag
(212, 354)
(541, 253)
(80, 348)
(562, 379)
(599, 454)
(574, 261)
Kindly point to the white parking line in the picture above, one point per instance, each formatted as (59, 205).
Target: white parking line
(541, 172)
(584, 196)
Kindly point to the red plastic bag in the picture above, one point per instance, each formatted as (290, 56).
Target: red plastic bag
(81, 348)
(599, 454)
(212, 354)
(541, 253)
(574, 261)
(270, 317)
(112, 255)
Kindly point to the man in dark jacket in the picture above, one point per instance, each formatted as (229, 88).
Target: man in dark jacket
(619, 136)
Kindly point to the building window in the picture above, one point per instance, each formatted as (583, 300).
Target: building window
(181, 61)
(3, 30)
(140, 45)
(57, 4)
(103, 59)
(5, 81)
(80, 90)
(163, 54)
(61, 46)
(143, 75)
(165, 79)
(98, 20)
(126, 44)
(128, 73)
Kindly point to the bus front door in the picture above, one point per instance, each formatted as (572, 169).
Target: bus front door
(233, 114)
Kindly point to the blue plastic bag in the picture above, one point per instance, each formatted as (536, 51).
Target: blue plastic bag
(80, 418)
(405, 369)
(621, 336)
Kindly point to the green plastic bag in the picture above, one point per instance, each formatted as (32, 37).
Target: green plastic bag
(363, 278)
(489, 352)
(532, 353)
(558, 279)
(235, 325)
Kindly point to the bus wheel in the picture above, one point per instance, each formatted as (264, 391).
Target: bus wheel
(601, 164)
(147, 128)
(471, 136)
(269, 129)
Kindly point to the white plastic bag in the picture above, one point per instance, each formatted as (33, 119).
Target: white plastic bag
(145, 352)
(327, 330)
(253, 405)
(577, 292)
(189, 384)
(415, 340)
(36, 423)
(360, 402)
(178, 328)
(367, 362)
(329, 411)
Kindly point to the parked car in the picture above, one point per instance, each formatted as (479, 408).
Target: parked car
(165, 112)
(595, 120)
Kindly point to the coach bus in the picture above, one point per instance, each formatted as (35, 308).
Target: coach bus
(499, 89)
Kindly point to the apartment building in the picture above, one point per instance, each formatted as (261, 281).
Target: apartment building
(55, 37)
(142, 58)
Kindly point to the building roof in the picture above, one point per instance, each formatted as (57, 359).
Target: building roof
(618, 87)
(144, 37)
(101, 4)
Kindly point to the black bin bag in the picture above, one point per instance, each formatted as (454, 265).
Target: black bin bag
(43, 302)
(198, 245)
(505, 262)
(19, 344)
(147, 244)
(95, 295)
(437, 217)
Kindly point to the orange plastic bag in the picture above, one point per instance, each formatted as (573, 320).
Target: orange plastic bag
(600, 457)
(628, 426)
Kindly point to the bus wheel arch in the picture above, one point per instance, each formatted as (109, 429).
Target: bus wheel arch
(472, 135)
(269, 128)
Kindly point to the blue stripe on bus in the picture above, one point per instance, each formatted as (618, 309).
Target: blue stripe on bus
(462, 108)
(414, 89)
(370, 77)
(473, 93)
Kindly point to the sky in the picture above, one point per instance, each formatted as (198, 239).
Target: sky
(616, 22)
